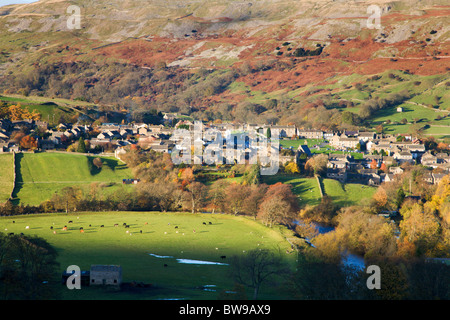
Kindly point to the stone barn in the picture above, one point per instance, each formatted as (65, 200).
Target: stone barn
(106, 275)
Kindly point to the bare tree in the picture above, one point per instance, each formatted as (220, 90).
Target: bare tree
(256, 267)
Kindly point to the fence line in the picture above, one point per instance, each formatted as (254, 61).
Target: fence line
(320, 186)
(14, 176)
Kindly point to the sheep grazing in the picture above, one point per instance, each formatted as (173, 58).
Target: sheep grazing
(27, 227)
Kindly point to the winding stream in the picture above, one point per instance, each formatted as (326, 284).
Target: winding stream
(348, 259)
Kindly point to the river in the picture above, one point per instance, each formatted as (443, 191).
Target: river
(348, 259)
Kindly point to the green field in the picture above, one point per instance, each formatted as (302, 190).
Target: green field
(6, 176)
(306, 189)
(51, 110)
(226, 235)
(40, 175)
(347, 194)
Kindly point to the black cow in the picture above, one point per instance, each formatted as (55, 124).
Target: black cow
(51, 228)
(210, 222)
(102, 226)
(70, 221)
(223, 257)
(204, 223)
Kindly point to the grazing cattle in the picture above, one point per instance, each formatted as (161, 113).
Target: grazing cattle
(165, 265)
(210, 222)
(176, 227)
(64, 229)
(70, 221)
(81, 228)
(204, 223)
(81, 231)
(223, 257)
(14, 221)
(127, 226)
(102, 226)
(141, 231)
(11, 234)
(124, 224)
(51, 227)
(146, 223)
(116, 225)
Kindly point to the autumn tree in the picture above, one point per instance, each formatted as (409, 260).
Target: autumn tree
(217, 195)
(373, 164)
(236, 195)
(279, 205)
(196, 195)
(97, 162)
(253, 201)
(291, 168)
(317, 164)
(420, 227)
(28, 142)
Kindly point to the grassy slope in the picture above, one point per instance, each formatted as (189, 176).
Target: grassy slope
(305, 188)
(112, 245)
(348, 194)
(6, 176)
(40, 175)
(49, 112)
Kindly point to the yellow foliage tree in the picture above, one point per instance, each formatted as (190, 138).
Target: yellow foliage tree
(291, 167)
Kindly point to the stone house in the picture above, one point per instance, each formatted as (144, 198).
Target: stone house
(105, 275)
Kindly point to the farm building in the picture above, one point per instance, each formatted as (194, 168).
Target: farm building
(106, 275)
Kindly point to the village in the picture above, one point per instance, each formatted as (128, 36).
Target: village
(353, 156)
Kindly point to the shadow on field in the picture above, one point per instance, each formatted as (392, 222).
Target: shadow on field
(19, 179)
(110, 163)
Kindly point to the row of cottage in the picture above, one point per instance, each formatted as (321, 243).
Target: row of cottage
(158, 138)
(345, 168)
